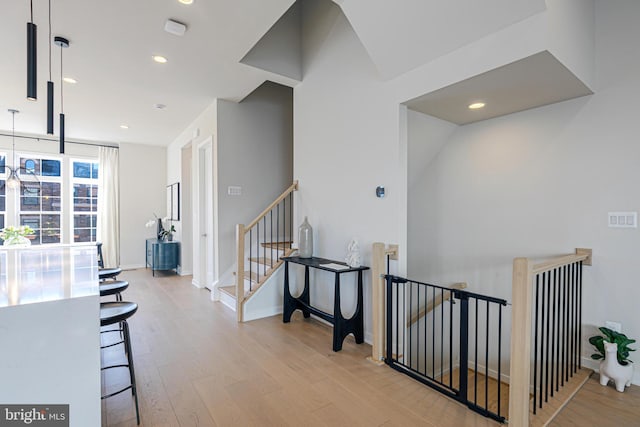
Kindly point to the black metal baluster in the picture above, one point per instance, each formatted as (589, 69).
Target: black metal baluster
(257, 258)
(552, 289)
(556, 293)
(535, 346)
(544, 275)
(464, 346)
(563, 330)
(576, 338)
(546, 357)
(410, 358)
(579, 315)
(291, 218)
(475, 363)
(404, 322)
(433, 332)
(426, 339)
(264, 245)
(389, 299)
(451, 296)
(500, 358)
(277, 228)
(441, 333)
(271, 239)
(567, 303)
(571, 317)
(486, 362)
(397, 320)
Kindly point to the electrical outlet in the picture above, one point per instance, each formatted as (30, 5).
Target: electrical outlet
(614, 326)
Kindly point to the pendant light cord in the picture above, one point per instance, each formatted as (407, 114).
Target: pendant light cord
(49, 40)
(31, 3)
(13, 138)
(61, 86)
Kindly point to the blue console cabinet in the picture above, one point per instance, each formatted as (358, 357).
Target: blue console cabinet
(162, 255)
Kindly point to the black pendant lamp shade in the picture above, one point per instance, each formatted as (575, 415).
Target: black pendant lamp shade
(61, 133)
(63, 43)
(32, 62)
(50, 84)
(50, 108)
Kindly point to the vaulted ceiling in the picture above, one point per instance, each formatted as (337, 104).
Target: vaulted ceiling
(112, 43)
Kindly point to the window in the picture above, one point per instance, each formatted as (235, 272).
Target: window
(3, 190)
(85, 200)
(40, 206)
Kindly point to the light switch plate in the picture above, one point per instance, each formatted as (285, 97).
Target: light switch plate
(234, 190)
(623, 219)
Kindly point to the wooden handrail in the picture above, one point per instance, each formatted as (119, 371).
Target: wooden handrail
(434, 303)
(286, 192)
(580, 255)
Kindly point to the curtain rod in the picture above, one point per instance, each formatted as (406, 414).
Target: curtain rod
(55, 140)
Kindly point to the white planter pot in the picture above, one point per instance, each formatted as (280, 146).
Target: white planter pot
(611, 369)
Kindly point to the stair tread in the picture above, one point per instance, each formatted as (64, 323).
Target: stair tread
(264, 261)
(230, 290)
(277, 245)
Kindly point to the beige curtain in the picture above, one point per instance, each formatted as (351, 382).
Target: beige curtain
(108, 227)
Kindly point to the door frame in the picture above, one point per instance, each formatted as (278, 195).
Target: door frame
(201, 223)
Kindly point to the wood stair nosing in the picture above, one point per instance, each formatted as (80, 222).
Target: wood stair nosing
(277, 245)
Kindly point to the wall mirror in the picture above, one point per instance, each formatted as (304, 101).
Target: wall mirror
(173, 201)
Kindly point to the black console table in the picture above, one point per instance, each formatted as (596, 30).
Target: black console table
(341, 326)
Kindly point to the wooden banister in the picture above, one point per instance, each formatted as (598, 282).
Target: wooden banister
(286, 192)
(434, 303)
(522, 299)
(241, 231)
(378, 269)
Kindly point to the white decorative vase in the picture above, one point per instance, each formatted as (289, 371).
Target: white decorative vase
(611, 369)
(305, 240)
(17, 241)
(353, 254)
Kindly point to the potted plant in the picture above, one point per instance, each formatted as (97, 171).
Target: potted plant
(168, 234)
(613, 349)
(16, 235)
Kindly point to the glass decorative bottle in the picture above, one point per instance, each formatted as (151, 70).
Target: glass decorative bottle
(305, 240)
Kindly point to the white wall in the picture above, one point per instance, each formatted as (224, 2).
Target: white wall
(255, 152)
(142, 193)
(202, 128)
(541, 182)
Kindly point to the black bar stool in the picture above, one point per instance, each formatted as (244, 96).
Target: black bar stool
(113, 287)
(117, 312)
(108, 273)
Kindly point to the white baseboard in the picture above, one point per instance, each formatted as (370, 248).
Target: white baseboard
(132, 266)
(228, 300)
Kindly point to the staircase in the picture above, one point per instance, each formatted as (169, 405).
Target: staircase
(259, 247)
(260, 270)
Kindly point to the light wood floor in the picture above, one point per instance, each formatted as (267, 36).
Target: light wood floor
(196, 366)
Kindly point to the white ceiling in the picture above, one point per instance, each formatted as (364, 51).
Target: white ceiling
(110, 55)
(118, 83)
(531, 82)
(403, 34)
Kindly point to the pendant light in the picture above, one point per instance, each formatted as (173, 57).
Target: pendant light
(32, 59)
(63, 43)
(13, 181)
(50, 84)
(17, 175)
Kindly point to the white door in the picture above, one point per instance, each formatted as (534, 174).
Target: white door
(206, 253)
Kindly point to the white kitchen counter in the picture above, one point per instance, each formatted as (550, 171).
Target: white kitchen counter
(50, 329)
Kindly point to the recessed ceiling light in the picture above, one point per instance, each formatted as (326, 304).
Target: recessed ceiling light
(476, 105)
(124, 126)
(186, 1)
(159, 106)
(70, 80)
(160, 59)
